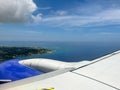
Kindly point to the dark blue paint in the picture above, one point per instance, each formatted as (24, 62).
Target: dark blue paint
(14, 71)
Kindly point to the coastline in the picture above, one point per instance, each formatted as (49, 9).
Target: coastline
(8, 52)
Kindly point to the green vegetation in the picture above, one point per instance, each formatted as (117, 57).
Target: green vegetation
(15, 52)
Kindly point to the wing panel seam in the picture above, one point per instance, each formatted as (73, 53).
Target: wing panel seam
(96, 80)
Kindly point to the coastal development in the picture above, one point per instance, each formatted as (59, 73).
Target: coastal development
(15, 52)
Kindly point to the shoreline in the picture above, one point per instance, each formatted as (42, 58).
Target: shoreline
(8, 52)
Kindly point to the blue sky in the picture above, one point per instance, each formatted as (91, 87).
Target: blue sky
(61, 20)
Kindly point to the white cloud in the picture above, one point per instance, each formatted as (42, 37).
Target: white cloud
(110, 16)
(16, 11)
(45, 8)
(37, 19)
(61, 12)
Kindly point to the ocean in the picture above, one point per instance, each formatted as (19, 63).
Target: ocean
(69, 51)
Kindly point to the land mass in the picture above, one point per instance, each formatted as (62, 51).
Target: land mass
(15, 52)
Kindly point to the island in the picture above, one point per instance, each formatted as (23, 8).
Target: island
(7, 52)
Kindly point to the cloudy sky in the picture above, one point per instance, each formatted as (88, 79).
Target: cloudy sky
(60, 20)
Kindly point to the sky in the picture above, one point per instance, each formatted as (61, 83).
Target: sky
(60, 20)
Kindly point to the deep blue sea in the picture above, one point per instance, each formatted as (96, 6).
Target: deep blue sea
(70, 51)
(63, 51)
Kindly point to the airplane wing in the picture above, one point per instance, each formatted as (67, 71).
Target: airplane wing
(100, 74)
